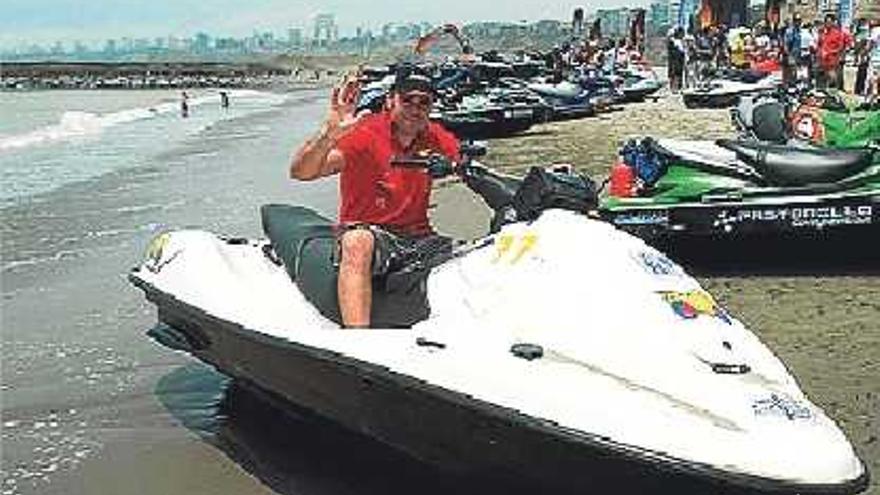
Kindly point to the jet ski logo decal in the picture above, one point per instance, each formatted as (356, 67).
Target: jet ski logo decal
(155, 250)
(797, 216)
(518, 246)
(777, 405)
(657, 264)
(689, 305)
(807, 124)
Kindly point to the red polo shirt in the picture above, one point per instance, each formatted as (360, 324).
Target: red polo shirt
(832, 43)
(372, 191)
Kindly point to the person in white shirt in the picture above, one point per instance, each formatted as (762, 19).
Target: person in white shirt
(808, 48)
(873, 88)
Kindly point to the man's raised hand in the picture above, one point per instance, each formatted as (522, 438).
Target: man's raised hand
(343, 102)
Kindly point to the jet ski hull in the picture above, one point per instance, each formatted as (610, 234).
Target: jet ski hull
(486, 128)
(448, 429)
(635, 95)
(726, 219)
(571, 112)
(711, 100)
(727, 95)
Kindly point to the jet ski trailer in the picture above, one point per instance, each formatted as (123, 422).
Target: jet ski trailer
(516, 355)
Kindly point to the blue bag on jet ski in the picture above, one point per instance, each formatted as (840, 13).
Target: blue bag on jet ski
(647, 162)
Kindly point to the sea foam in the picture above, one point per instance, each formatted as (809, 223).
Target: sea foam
(76, 124)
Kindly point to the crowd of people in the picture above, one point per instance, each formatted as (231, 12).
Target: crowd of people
(607, 55)
(815, 52)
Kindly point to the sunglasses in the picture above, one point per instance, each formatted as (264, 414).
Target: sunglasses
(417, 100)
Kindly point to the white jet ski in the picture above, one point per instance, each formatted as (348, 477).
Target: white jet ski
(557, 349)
(724, 92)
(639, 82)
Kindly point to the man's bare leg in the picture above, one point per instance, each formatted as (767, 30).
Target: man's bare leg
(354, 286)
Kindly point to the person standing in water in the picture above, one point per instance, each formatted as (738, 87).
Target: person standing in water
(224, 100)
(184, 104)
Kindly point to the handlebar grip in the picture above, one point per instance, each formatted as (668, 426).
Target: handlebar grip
(409, 162)
(437, 166)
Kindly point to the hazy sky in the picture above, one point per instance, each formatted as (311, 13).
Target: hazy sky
(91, 20)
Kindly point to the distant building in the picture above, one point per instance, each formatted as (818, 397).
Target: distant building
(682, 13)
(687, 14)
(577, 22)
(673, 12)
(175, 43)
(614, 22)
(325, 32)
(482, 29)
(201, 43)
(387, 31)
(141, 45)
(110, 47)
(658, 18)
(548, 28)
(295, 37)
(406, 32)
(846, 11)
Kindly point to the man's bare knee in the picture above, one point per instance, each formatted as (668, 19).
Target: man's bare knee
(357, 250)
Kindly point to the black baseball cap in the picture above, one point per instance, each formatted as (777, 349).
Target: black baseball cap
(414, 82)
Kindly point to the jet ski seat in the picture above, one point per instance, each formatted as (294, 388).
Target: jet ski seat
(768, 119)
(305, 243)
(783, 165)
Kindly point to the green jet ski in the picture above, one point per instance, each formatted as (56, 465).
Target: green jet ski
(803, 163)
(742, 187)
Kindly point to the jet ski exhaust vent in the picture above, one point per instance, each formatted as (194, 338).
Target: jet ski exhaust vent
(527, 351)
(731, 369)
(423, 342)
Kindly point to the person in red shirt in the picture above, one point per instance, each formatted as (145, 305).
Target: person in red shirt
(382, 208)
(833, 42)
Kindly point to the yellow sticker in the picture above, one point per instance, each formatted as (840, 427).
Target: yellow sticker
(502, 246)
(157, 245)
(526, 244)
(518, 245)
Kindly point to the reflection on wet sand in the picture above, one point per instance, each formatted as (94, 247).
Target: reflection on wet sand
(295, 452)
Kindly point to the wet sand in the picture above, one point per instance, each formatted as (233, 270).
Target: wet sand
(818, 311)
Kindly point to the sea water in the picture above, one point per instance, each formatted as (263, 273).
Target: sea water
(89, 403)
(52, 138)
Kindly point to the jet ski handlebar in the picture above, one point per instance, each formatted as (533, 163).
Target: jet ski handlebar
(511, 198)
(496, 189)
(439, 166)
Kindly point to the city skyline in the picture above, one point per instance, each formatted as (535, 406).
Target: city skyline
(48, 21)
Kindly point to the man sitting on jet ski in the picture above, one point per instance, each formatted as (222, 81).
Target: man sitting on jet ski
(383, 212)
